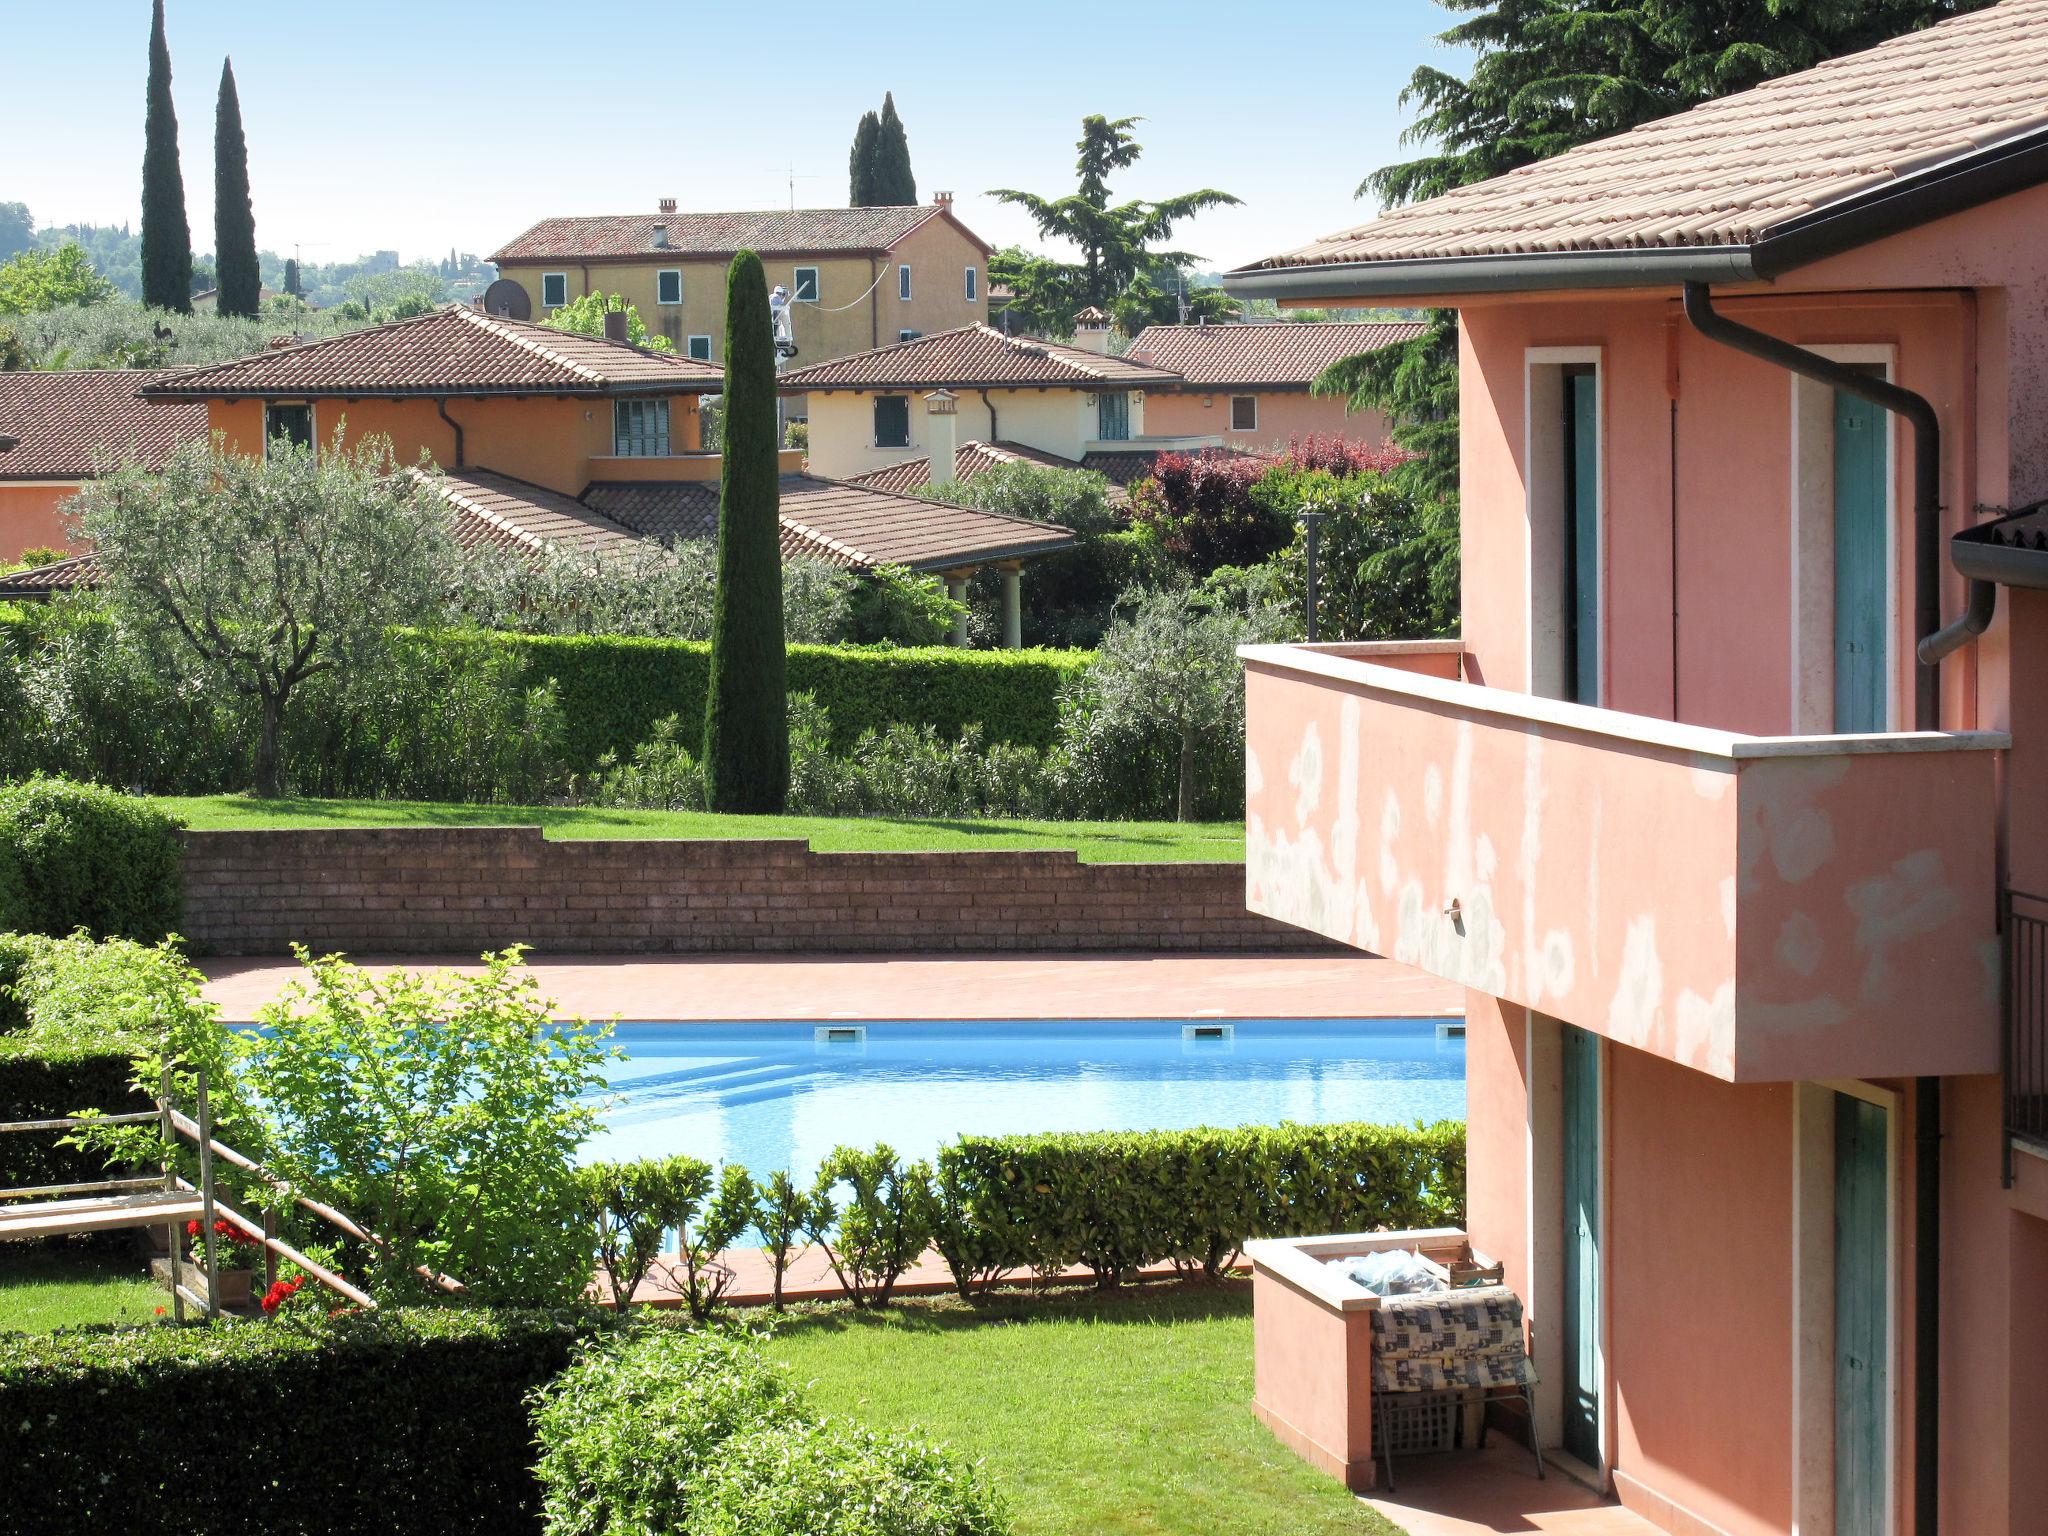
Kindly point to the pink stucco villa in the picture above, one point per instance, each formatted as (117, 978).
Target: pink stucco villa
(1723, 805)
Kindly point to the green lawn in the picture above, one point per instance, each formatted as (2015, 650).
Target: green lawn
(1104, 842)
(1128, 1416)
(46, 1288)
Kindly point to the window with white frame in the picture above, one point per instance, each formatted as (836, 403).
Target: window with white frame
(892, 421)
(640, 429)
(700, 348)
(554, 289)
(903, 281)
(668, 286)
(973, 284)
(1244, 413)
(805, 287)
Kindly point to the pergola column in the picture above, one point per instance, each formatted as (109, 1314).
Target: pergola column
(1013, 606)
(956, 589)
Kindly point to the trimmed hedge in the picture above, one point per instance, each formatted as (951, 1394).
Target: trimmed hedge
(40, 1080)
(1115, 1201)
(79, 856)
(614, 688)
(388, 1421)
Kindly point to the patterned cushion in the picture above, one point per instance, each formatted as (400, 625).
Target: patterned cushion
(1468, 1338)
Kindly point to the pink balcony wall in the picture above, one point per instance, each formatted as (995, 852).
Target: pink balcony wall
(1761, 909)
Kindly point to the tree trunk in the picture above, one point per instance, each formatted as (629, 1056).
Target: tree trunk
(268, 784)
(1184, 809)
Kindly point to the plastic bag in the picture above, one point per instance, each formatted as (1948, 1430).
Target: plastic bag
(1392, 1272)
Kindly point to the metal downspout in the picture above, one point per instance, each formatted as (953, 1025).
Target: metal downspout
(455, 426)
(1935, 642)
(994, 435)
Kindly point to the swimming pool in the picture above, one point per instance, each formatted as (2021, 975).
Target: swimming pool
(772, 1096)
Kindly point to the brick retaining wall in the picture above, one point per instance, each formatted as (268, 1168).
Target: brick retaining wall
(463, 890)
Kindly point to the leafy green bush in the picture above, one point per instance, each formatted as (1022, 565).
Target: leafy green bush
(1116, 1201)
(894, 606)
(441, 1110)
(385, 1421)
(872, 1215)
(16, 951)
(42, 1077)
(799, 1478)
(78, 856)
(628, 1428)
(614, 690)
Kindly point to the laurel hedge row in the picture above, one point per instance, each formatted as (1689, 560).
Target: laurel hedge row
(613, 689)
(390, 1421)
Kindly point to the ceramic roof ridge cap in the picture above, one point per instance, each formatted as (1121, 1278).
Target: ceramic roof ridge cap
(1531, 709)
(494, 326)
(798, 526)
(180, 377)
(444, 486)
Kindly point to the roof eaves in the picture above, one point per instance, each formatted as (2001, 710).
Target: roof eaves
(1047, 545)
(1524, 272)
(1999, 169)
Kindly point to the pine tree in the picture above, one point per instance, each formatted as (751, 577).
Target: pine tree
(237, 272)
(860, 163)
(166, 237)
(895, 185)
(746, 715)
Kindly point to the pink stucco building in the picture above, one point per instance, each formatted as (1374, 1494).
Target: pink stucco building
(1723, 804)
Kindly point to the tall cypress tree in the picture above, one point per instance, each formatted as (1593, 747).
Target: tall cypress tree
(291, 278)
(860, 163)
(746, 716)
(236, 272)
(895, 185)
(166, 237)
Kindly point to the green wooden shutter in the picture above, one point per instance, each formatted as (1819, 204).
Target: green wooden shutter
(1862, 597)
(1862, 1316)
(1582, 1237)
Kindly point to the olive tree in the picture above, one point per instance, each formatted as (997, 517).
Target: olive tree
(1168, 668)
(269, 571)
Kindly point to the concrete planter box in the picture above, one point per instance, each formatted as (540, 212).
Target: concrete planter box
(1312, 1346)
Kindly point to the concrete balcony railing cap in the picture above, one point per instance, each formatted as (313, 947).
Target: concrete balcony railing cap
(1350, 664)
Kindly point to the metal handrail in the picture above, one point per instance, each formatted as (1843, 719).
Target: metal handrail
(2023, 1053)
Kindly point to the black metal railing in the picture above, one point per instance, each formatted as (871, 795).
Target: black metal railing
(2024, 920)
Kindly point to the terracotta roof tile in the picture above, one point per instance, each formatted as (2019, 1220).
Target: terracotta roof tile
(495, 508)
(70, 424)
(833, 520)
(777, 232)
(969, 459)
(970, 357)
(1265, 355)
(41, 581)
(1727, 172)
(455, 350)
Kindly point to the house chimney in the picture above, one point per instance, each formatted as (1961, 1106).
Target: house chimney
(666, 205)
(615, 325)
(661, 237)
(942, 434)
(1091, 331)
(943, 199)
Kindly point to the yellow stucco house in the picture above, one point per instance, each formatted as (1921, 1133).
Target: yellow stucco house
(859, 278)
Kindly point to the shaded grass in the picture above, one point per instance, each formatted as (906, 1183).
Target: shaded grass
(1103, 842)
(46, 1288)
(1122, 1416)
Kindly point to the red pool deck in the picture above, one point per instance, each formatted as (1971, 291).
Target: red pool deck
(685, 987)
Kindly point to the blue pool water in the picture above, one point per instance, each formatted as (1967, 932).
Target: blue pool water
(772, 1096)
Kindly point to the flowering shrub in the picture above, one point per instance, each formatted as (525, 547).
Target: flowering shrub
(236, 1247)
(280, 1292)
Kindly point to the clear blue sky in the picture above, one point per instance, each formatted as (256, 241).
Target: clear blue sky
(427, 125)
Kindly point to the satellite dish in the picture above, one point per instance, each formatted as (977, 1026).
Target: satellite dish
(505, 297)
